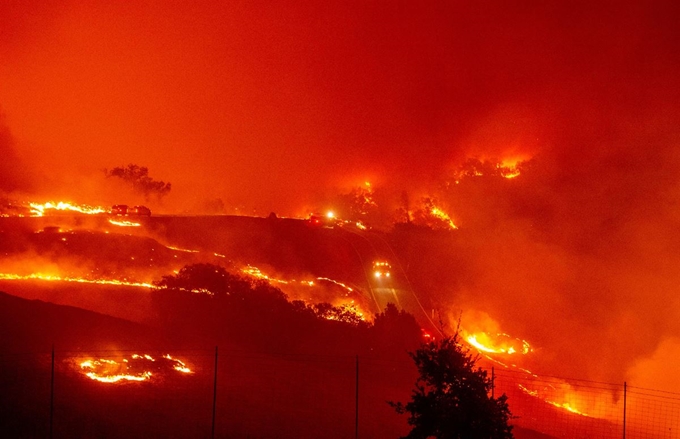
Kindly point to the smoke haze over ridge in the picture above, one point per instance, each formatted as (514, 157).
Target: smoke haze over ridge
(276, 107)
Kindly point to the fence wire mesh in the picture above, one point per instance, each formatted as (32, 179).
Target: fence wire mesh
(287, 396)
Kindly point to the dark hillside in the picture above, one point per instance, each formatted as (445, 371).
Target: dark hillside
(34, 326)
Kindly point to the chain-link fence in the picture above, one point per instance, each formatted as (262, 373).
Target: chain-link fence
(230, 393)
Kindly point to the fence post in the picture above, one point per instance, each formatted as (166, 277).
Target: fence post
(214, 408)
(52, 395)
(356, 401)
(625, 391)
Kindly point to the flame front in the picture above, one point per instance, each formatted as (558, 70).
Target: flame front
(509, 168)
(123, 223)
(346, 305)
(51, 277)
(133, 369)
(443, 216)
(498, 344)
(41, 209)
(110, 371)
(565, 405)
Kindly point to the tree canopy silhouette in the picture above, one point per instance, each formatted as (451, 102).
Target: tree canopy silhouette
(138, 178)
(221, 283)
(208, 277)
(451, 397)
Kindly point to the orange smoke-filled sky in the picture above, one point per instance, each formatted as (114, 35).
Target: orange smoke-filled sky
(274, 106)
(269, 104)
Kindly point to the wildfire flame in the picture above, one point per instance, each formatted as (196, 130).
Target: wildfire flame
(565, 405)
(340, 284)
(257, 273)
(498, 344)
(133, 369)
(493, 344)
(346, 305)
(185, 250)
(51, 277)
(511, 174)
(509, 168)
(57, 278)
(41, 209)
(249, 270)
(109, 371)
(437, 212)
(123, 223)
(179, 364)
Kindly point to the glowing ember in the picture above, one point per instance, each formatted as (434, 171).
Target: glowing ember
(123, 223)
(134, 369)
(41, 209)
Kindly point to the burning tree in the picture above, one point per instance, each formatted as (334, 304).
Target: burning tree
(451, 397)
(138, 178)
(342, 313)
(358, 204)
(432, 216)
(474, 167)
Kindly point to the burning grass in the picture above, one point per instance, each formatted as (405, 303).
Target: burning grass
(136, 368)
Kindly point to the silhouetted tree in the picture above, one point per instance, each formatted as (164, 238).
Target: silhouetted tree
(451, 397)
(396, 330)
(403, 213)
(246, 311)
(138, 178)
(209, 277)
